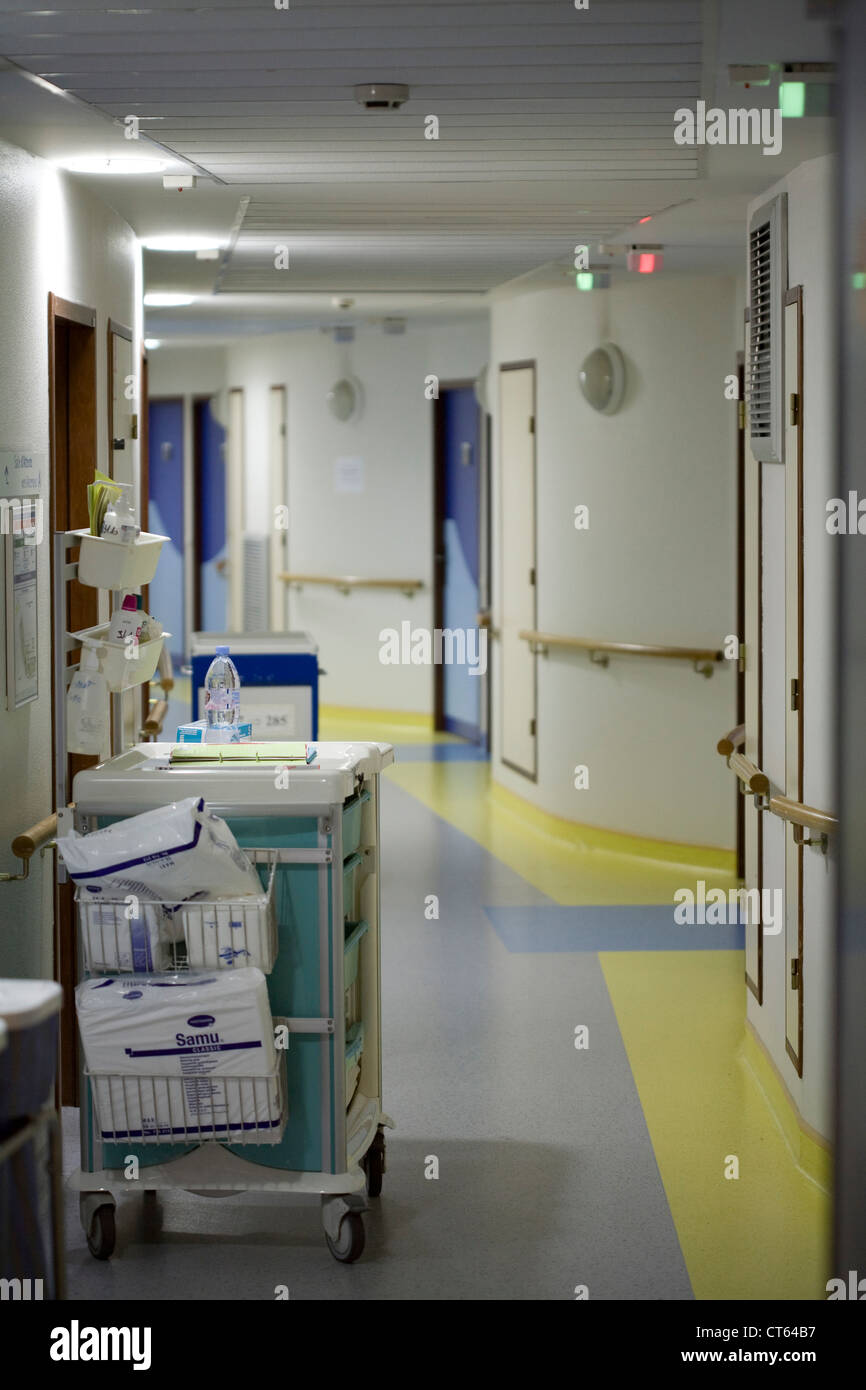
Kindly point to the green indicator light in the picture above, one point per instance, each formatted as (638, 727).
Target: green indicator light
(858, 280)
(583, 279)
(792, 98)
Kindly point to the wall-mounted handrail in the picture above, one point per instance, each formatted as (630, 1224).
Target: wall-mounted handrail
(808, 817)
(599, 650)
(752, 778)
(345, 583)
(756, 782)
(152, 726)
(731, 742)
(39, 837)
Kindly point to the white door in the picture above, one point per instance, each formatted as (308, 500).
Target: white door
(794, 673)
(754, 750)
(518, 586)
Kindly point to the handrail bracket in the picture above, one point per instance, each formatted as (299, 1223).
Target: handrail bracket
(819, 842)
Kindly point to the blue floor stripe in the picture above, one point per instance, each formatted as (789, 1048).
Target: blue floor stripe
(621, 928)
(440, 753)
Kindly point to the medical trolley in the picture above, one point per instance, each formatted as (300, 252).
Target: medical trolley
(312, 830)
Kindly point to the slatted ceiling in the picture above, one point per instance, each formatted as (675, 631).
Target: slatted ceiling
(555, 124)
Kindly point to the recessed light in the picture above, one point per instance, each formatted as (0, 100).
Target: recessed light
(181, 243)
(159, 300)
(113, 164)
(151, 343)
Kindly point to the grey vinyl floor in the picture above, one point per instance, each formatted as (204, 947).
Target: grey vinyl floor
(546, 1175)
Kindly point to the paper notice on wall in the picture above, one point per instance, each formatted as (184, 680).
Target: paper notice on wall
(349, 475)
(22, 674)
(23, 473)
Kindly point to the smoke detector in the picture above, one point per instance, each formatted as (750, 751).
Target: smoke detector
(381, 96)
(340, 301)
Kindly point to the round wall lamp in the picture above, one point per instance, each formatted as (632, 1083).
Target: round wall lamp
(345, 399)
(602, 378)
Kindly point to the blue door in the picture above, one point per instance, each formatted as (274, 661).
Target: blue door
(462, 682)
(211, 501)
(165, 517)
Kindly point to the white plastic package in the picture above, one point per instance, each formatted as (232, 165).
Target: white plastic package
(218, 933)
(180, 1054)
(114, 941)
(166, 855)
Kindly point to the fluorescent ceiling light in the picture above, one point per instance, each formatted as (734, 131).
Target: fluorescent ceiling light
(113, 164)
(151, 343)
(167, 301)
(181, 243)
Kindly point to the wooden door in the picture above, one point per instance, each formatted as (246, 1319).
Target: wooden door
(73, 455)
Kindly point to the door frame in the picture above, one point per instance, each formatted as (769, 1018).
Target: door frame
(439, 465)
(794, 297)
(85, 391)
(524, 365)
(754, 681)
(113, 330)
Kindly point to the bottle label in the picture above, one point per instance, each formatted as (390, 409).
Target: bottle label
(222, 701)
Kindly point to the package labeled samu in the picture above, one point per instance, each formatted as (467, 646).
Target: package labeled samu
(186, 1054)
(166, 855)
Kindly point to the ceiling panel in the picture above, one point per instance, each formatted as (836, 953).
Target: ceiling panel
(555, 125)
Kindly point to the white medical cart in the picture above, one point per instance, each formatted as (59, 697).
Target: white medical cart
(313, 831)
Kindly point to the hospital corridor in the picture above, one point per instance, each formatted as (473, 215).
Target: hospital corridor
(432, 670)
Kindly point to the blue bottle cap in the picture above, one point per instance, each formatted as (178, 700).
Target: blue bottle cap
(222, 651)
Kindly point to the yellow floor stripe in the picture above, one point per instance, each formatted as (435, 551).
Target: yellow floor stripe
(765, 1234)
(377, 726)
(572, 864)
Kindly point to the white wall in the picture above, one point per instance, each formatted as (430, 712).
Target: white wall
(657, 564)
(54, 237)
(811, 253)
(384, 531)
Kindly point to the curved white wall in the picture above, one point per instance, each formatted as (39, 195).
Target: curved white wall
(657, 564)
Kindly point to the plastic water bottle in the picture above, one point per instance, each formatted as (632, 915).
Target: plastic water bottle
(222, 691)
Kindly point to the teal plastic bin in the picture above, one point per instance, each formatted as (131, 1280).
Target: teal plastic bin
(352, 811)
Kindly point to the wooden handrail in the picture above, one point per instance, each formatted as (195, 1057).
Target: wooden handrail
(25, 846)
(732, 741)
(344, 583)
(799, 814)
(152, 725)
(753, 779)
(703, 657)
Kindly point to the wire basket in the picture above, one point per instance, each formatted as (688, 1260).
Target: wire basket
(120, 935)
(190, 1109)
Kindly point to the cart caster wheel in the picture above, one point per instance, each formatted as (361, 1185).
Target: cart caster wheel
(350, 1242)
(373, 1164)
(101, 1236)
